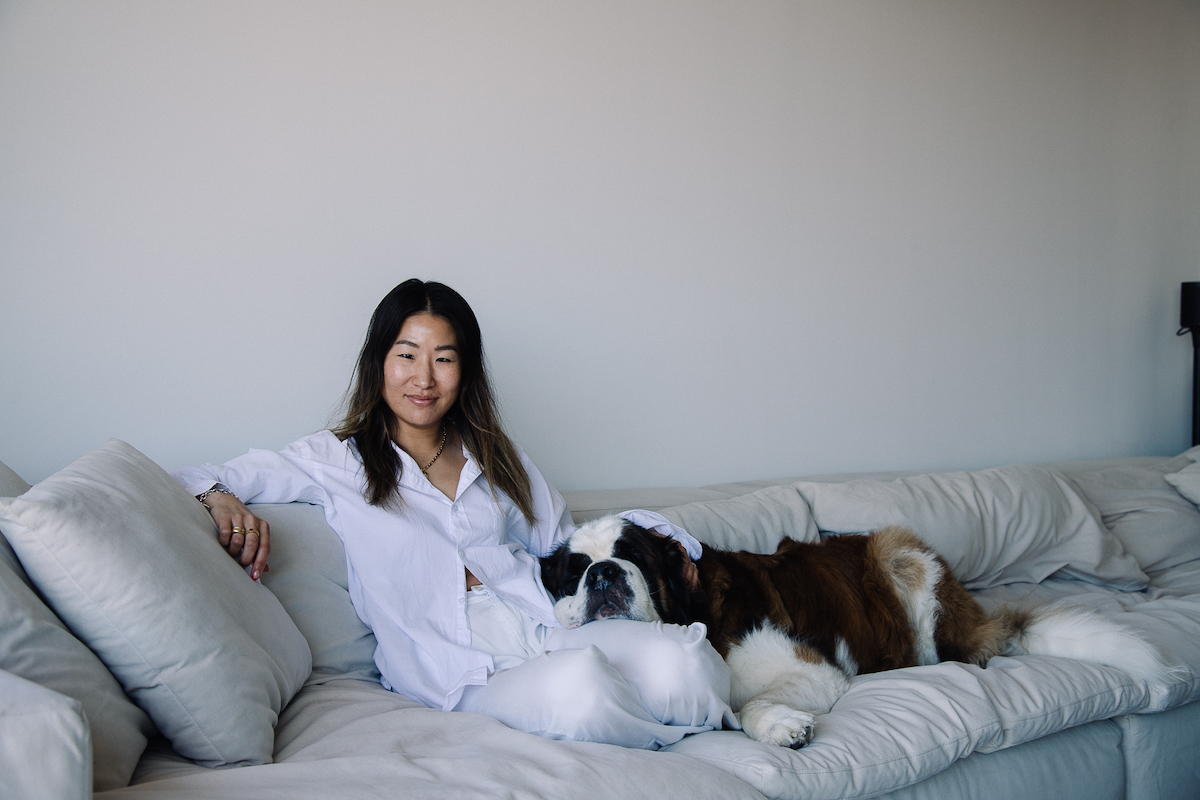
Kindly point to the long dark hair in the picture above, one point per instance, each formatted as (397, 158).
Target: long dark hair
(368, 420)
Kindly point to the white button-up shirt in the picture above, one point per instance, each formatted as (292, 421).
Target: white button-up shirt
(405, 567)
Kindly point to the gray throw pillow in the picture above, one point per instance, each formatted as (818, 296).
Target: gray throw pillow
(43, 743)
(130, 561)
(11, 484)
(36, 645)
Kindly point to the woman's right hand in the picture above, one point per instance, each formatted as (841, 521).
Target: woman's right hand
(243, 535)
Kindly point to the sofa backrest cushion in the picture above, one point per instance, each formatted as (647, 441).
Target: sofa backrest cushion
(308, 575)
(130, 561)
(1017, 524)
(1156, 523)
(35, 645)
(754, 522)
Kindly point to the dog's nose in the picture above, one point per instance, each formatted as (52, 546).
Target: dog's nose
(602, 574)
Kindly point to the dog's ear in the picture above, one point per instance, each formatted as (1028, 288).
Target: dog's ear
(682, 583)
(554, 567)
(561, 571)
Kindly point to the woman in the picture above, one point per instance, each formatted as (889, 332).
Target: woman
(442, 518)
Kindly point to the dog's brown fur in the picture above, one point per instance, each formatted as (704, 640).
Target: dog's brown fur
(843, 588)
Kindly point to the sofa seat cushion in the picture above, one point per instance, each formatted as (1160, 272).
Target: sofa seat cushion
(352, 738)
(893, 729)
(130, 561)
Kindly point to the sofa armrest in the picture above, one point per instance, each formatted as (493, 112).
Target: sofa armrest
(45, 742)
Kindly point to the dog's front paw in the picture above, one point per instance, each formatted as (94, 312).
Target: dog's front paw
(775, 723)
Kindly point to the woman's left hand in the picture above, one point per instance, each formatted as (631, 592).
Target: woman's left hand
(243, 535)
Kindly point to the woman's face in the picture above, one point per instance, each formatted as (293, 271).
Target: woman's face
(421, 373)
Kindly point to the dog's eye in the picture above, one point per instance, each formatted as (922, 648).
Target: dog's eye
(635, 555)
(577, 564)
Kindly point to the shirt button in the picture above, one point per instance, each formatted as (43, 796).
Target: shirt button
(462, 600)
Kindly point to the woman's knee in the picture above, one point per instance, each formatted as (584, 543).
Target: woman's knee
(555, 694)
(577, 679)
(672, 658)
(680, 677)
(581, 696)
(677, 675)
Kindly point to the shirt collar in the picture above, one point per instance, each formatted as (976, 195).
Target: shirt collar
(412, 477)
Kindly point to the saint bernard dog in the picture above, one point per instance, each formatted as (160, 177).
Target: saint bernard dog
(796, 625)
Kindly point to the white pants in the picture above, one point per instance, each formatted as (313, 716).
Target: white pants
(635, 684)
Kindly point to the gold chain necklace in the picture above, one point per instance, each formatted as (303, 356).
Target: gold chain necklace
(425, 469)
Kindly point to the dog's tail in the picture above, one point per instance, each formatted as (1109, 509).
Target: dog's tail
(1072, 632)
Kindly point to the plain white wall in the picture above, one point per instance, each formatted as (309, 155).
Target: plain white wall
(707, 241)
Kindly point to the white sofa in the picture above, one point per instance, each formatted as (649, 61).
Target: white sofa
(138, 661)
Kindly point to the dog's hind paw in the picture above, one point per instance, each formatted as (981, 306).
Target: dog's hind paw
(775, 723)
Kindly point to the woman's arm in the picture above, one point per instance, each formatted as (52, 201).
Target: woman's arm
(262, 476)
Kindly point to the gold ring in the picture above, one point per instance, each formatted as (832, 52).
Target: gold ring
(250, 531)
(239, 529)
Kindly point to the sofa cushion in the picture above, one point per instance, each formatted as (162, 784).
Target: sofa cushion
(1154, 522)
(308, 575)
(35, 645)
(1187, 481)
(11, 484)
(994, 526)
(755, 522)
(130, 561)
(44, 748)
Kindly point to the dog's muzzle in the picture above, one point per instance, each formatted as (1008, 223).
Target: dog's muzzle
(608, 591)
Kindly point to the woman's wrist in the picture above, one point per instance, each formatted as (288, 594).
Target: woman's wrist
(217, 488)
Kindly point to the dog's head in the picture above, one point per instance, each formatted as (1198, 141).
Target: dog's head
(611, 568)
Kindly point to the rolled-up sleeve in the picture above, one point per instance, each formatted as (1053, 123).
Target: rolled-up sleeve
(259, 476)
